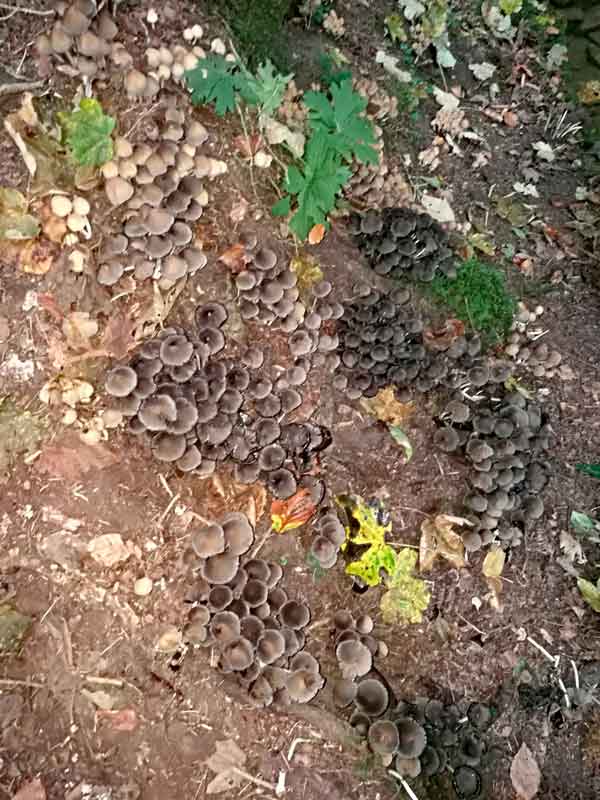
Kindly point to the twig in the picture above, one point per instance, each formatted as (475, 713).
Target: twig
(257, 781)
(575, 674)
(404, 784)
(15, 682)
(261, 543)
(544, 652)
(172, 502)
(23, 86)
(24, 10)
(104, 681)
(292, 749)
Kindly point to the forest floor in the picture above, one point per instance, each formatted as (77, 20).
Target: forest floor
(91, 706)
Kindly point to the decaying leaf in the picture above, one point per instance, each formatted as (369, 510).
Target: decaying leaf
(32, 790)
(170, 641)
(446, 99)
(100, 699)
(227, 762)
(584, 525)
(441, 338)
(400, 437)
(438, 208)
(308, 272)
(33, 256)
(395, 28)
(492, 567)
(387, 408)
(590, 593)
(73, 458)
(286, 515)
(513, 211)
(525, 774)
(109, 549)
(438, 538)
(14, 628)
(118, 336)
(482, 242)
(406, 597)
(482, 71)
(15, 221)
(589, 93)
(78, 329)
(572, 548)
(277, 133)
(557, 55)
(367, 524)
(235, 258)
(391, 65)
(248, 145)
(125, 719)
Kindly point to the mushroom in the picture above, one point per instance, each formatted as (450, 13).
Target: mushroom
(176, 350)
(360, 722)
(271, 457)
(60, 205)
(281, 483)
(300, 343)
(237, 654)
(371, 697)
(265, 259)
(169, 447)
(239, 534)
(408, 767)
(60, 41)
(267, 431)
(270, 646)
(324, 551)
(466, 782)
(252, 628)
(121, 381)
(255, 592)
(353, 658)
(383, 737)
(277, 597)
(208, 541)
(294, 615)
(303, 685)
(210, 315)
(344, 692)
(190, 460)
(219, 598)
(412, 738)
(225, 627)
(136, 83)
(118, 190)
(220, 568)
(212, 338)
(364, 624)
(304, 661)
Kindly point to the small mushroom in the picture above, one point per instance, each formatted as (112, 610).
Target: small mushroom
(208, 541)
(121, 381)
(412, 738)
(304, 661)
(220, 568)
(176, 350)
(383, 737)
(169, 447)
(237, 654)
(239, 534)
(353, 658)
(270, 646)
(219, 598)
(281, 483)
(118, 190)
(344, 692)
(294, 615)
(303, 685)
(466, 782)
(372, 697)
(225, 627)
(136, 83)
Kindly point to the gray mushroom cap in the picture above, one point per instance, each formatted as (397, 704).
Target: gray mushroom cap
(225, 626)
(169, 447)
(239, 534)
(208, 541)
(157, 411)
(220, 568)
(121, 381)
(372, 697)
(294, 615)
(282, 483)
(412, 738)
(303, 685)
(304, 660)
(354, 658)
(237, 654)
(344, 692)
(176, 350)
(220, 597)
(270, 646)
(383, 737)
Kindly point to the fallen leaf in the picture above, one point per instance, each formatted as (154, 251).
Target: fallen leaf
(239, 211)
(589, 93)
(438, 208)
(407, 596)
(510, 119)
(124, 720)
(572, 548)
(446, 99)
(482, 242)
(557, 55)
(402, 439)
(308, 272)
(391, 66)
(525, 774)
(248, 145)
(590, 593)
(100, 699)
(387, 408)
(492, 567)
(49, 304)
(286, 515)
(118, 336)
(235, 258)
(78, 329)
(227, 762)
(15, 221)
(482, 71)
(33, 256)
(14, 628)
(316, 234)
(32, 790)
(441, 338)
(109, 549)
(513, 211)
(395, 28)
(438, 538)
(544, 151)
(73, 458)
(278, 133)
(528, 189)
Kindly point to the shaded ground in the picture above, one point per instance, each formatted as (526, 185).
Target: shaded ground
(92, 633)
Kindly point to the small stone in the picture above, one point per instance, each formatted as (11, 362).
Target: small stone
(143, 586)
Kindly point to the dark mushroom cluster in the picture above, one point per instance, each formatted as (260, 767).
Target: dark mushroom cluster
(201, 408)
(84, 39)
(504, 438)
(164, 188)
(400, 242)
(240, 610)
(330, 535)
(382, 344)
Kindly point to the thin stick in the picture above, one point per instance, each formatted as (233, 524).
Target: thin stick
(271, 787)
(104, 681)
(15, 682)
(172, 502)
(16, 88)
(23, 10)
(543, 651)
(261, 543)
(404, 784)
(575, 673)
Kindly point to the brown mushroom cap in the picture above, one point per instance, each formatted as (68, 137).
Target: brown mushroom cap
(294, 615)
(121, 381)
(176, 350)
(169, 447)
(118, 190)
(255, 592)
(354, 658)
(303, 685)
(157, 411)
(252, 628)
(270, 646)
(237, 654)
(383, 737)
(343, 620)
(225, 626)
(208, 541)
(344, 692)
(277, 598)
(190, 460)
(239, 534)
(282, 484)
(74, 21)
(220, 568)
(304, 660)
(372, 697)
(219, 598)
(109, 272)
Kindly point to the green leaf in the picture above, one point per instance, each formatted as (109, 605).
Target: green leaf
(215, 80)
(87, 133)
(511, 6)
(582, 523)
(350, 133)
(402, 439)
(15, 222)
(589, 469)
(590, 593)
(407, 597)
(282, 207)
(266, 90)
(395, 28)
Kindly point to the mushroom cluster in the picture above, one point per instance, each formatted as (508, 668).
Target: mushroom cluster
(84, 39)
(70, 218)
(164, 187)
(171, 63)
(504, 437)
(201, 408)
(240, 610)
(524, 348)
(400, 242)
(382, 344)
(330, 536)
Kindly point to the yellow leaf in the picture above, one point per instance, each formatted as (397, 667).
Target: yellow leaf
(438, 538)
(308, 272)
(286, 515)
(493, 563)
(407, 597)
(387, 408)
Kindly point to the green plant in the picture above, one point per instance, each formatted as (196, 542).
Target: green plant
(478, 296)
(589, 469)
(590, 593)
(339, 133)
(87, 132)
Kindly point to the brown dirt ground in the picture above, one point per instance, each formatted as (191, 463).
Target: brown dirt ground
(91, 632)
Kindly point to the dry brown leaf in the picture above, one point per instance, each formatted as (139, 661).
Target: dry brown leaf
(32, 790)
(49, 304)
(316, 234)
(118, 337)
(126, 719)
(441, 338)
(438, 538)
(33, 256)
(239, 211)
(248, 145)
(525, 774)
(73, 458)
(235, 258)
(108, 549)
(78, 329)
(387, 408)
(225, 761)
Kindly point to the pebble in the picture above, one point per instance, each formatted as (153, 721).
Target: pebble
(142, 587)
